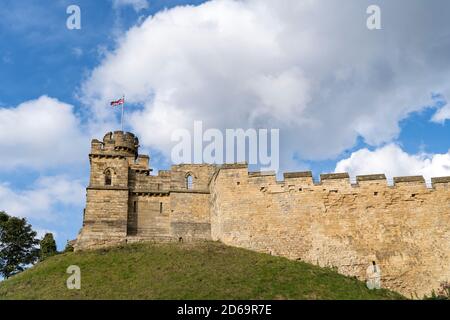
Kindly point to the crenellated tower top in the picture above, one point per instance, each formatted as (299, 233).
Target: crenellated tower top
(116, 143)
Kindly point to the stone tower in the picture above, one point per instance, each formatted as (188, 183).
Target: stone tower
(105, 215)
(124, 203)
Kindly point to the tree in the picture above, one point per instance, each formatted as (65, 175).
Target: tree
(48, 246)
(18, 245)
(69, 247)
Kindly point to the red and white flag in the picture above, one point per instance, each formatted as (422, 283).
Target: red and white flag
(117, 102)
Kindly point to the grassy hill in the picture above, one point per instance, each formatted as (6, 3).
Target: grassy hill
(207, 270)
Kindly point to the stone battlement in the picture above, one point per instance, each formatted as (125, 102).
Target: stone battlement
(342, 180)
(116, 142)
(404, 228)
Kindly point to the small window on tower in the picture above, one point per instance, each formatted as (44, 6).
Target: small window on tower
(134, 206)
(160, 207)
(189, 182)
(108, 180)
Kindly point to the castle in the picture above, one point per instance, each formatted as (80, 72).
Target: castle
(404, 229)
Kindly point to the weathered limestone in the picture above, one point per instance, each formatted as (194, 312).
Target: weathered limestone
(136, 206)
(404, 228)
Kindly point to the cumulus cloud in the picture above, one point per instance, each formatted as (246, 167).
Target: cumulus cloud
(40, 133)
(40, 201)
(394, 162)
(310, 68)
(137, 5)
(442, 114)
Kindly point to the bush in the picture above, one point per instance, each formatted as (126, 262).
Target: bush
(442, 294)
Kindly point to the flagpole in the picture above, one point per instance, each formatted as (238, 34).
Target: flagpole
(123, 100)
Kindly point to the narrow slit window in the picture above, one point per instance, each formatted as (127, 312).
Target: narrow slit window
(108, 179)
(134, 206)
(160, 207)
(189, 182)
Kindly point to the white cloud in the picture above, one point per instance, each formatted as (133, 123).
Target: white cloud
(41, 199)
(136, 4)
(39, 134)
(310, 68)
(394, 162)
(442, 114)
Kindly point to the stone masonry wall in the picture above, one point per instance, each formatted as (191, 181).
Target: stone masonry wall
(404, 229)
(190, 216)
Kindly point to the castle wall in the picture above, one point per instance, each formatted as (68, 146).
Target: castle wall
(201, 173)
(190, 209)
(190, 216)
(149, 216)
(404, 228)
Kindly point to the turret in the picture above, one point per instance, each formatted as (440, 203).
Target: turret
(116, 143)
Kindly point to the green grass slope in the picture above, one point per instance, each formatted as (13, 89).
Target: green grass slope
(206, 270)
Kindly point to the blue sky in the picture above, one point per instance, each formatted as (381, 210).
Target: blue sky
(40, 56)
(343, 97)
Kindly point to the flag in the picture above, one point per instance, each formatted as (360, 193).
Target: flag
(117, 102)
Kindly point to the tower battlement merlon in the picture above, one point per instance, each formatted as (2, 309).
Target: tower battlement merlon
(117, 142)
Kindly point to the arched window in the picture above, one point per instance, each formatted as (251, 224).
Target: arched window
(108, 178)
(189, 182)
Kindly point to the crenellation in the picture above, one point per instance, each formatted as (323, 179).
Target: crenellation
(262, 173)
(441, 183)
(261, 179)
(299, 180)
(254, 174)
(334, 176)
(440, 180)
(410, 180)
(336, 222)
(294, 175)
(335, 181)
(234, 166)
(371, 177)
